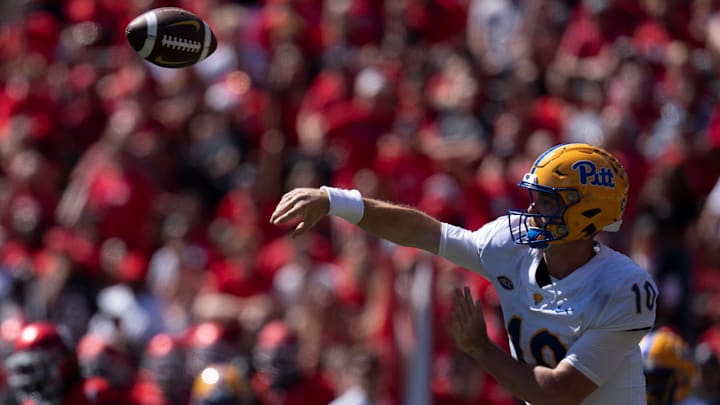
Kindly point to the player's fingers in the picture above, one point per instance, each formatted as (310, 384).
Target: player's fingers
(289, 214)
(276, 215)
(299, 229)
(460, 304)
(286, 202)
(295, 205)
(478, 316)
(468, 296)
(279, 210)
(467, 300)
(457, 301)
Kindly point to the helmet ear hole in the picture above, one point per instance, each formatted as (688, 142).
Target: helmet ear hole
(591, 212)
(589, 230)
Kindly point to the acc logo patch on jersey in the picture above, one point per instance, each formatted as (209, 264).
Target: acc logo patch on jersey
(505, 282)
(590, 174)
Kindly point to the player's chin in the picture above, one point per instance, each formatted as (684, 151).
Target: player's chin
(534, 222)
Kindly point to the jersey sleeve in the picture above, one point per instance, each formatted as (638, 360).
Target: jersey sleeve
(469, 249)
(460, 246)
(599, 353)
(630, 305)
(626, 300)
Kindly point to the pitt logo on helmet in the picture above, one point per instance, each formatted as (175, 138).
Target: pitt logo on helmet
(589, 174)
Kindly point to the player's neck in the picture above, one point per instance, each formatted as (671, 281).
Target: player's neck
(563, 259)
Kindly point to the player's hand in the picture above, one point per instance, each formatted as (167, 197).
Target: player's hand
(308, 204)
(468, 322)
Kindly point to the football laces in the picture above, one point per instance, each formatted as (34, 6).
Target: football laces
(180, 44)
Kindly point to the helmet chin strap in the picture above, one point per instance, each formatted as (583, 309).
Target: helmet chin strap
(538, 237)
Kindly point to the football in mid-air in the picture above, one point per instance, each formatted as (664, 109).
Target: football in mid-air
(171, 37)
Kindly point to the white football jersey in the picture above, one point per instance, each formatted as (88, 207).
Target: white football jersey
(577, 317)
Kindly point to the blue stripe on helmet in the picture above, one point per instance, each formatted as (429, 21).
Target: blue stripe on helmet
(540, 158)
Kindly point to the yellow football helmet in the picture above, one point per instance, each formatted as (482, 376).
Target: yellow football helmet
(221, 384)
(589, 186)
(669, 367)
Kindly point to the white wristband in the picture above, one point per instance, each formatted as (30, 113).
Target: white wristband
(346, 204)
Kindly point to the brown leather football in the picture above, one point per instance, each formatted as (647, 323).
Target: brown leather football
(171, 37)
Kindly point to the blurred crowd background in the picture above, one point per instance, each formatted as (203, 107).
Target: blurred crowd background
(134, 200)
